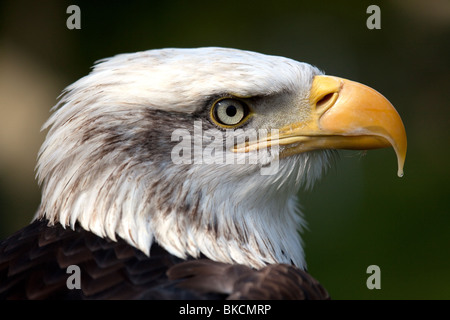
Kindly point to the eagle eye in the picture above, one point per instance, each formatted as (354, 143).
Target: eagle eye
(229, 112)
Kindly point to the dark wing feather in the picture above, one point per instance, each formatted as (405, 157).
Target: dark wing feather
(278, 281)
(34, 261)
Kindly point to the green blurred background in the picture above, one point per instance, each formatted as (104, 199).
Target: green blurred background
(361, 213)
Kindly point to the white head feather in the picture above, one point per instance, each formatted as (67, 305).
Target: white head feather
(105, 163)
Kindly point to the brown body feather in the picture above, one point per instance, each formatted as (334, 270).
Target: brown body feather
(34, 262)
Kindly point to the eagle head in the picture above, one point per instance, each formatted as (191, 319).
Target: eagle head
(204, 150)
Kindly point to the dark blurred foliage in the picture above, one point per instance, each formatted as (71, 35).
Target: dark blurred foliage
(360, 213)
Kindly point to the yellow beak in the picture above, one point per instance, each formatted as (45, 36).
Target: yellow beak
(344, 115)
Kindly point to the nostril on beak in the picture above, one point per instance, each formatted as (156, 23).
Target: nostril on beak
(326, 101)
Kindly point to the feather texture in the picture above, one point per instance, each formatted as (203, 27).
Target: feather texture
(106, 162)
(34, 262)
(141, 225)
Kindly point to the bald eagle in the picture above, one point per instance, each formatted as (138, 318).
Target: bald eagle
(174, 173)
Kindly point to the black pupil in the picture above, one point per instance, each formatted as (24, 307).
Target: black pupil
(231, 111)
